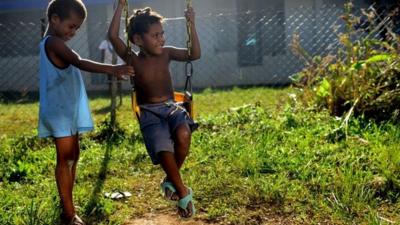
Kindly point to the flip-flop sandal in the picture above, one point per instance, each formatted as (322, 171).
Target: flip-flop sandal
(168, 186)
(117, 195)
(183, 203)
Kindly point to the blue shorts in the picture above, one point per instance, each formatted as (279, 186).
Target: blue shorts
(158, 123)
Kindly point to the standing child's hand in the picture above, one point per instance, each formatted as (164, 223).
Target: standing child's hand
(189, 14)
(122, 71)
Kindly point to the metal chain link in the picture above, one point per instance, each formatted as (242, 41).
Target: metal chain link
(129, 52)
(126, 11)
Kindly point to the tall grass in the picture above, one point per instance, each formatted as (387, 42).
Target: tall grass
(259, 157)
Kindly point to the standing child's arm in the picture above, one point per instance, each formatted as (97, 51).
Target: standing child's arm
(113, 32)
(180, 54)
(62, 56)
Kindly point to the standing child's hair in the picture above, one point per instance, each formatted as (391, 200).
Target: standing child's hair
(63, 8)
(141, 20)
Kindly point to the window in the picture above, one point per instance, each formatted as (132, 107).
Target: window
(261, 30)
(225, 26)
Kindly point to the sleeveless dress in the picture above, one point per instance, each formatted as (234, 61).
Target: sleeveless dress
(64, 106)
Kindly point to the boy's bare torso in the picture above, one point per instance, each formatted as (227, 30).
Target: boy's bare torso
(153, 82)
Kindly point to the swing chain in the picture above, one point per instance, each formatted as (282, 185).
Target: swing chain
(126, 11)
(128, 43)
(189, 73)
(189, 65)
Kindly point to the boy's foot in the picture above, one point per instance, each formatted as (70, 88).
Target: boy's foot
(169, 190)
(186, 207)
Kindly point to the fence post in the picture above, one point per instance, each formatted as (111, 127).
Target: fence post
(113, 87)
(113, 90)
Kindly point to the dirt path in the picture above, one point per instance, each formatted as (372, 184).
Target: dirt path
(164, 219)
(167, 218)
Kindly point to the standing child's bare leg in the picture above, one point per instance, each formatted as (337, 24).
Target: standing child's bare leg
(76, 159)
(67, 158)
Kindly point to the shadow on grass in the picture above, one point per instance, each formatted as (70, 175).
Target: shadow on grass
(93, 208)
(107, 109)
(103, 110)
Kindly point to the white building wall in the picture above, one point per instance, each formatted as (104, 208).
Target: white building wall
(273, 69)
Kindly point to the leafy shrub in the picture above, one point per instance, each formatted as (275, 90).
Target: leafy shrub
(363, 78)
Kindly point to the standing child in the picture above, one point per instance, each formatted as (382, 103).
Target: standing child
(165, 126)
(64, 111)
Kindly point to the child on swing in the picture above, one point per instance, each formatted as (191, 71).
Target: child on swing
(165, 126)
(64, 110)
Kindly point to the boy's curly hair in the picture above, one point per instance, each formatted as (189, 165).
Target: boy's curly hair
(63, 8)
(141, 20)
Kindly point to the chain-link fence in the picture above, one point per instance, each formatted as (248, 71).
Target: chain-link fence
(238, 49)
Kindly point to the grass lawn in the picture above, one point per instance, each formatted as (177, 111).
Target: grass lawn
(258, 157)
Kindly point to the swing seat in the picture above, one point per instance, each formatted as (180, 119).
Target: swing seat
(183, 99)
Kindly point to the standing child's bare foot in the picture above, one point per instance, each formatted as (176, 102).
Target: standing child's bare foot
(75, 220)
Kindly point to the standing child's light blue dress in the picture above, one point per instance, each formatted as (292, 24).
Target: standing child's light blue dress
(64, 106)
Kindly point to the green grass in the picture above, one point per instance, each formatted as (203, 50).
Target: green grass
(257, 157)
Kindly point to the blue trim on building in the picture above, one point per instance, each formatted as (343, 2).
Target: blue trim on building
(40, 4)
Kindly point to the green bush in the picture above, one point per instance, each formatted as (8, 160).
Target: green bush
(362, 78)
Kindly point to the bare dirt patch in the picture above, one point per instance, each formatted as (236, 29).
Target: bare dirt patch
(164, 219)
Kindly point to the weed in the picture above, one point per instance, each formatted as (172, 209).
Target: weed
(361, 79)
